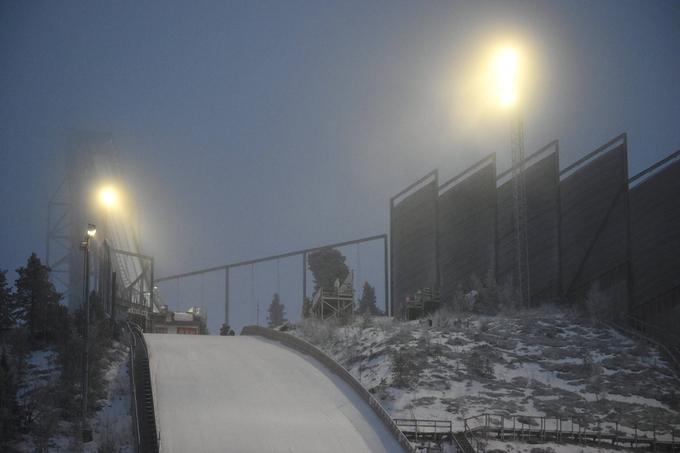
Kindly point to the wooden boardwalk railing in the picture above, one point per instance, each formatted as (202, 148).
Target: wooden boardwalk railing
(521, 427)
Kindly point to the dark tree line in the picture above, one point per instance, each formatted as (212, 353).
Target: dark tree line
(31, 319)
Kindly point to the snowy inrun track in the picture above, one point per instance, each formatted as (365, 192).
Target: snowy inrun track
(249, 394)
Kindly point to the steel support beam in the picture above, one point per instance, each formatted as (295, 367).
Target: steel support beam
(226, 296)
(271, 258)
(387, 276)
(304, 277)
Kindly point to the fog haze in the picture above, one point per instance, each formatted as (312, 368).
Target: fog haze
(254, 128)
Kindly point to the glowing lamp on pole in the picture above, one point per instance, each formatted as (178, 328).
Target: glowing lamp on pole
(108, 197)
(506, 75)
(506, 68)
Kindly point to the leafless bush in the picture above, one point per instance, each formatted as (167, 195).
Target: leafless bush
(598, 304)
(405, 368)
(318, 332)
(492, 297)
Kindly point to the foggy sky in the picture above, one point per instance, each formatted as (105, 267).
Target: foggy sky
(253, 128)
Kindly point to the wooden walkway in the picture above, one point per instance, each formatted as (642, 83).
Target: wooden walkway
(484, 427)
(520, 427)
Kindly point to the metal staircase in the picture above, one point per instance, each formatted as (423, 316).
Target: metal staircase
(463, 443)
(142, 393)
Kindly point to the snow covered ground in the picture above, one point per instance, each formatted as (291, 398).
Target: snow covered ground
(112, 424)
(36, 396)
(495, 446)
(543, 363)
(248, 394)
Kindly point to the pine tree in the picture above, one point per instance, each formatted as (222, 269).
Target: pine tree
(9, 417)
(327, 265)
(36, 302)
(277, 312)
(367, 303)
(306, 308)
(226, 330)
(6, 300)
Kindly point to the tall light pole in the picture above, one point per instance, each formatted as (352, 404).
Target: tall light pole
(506, 66)
(85, 246)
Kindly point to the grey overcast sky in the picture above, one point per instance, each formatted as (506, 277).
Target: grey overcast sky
(251, 128)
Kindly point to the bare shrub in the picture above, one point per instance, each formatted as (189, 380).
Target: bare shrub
(318, 332)
(404, 373)
(492, 297)
(479, 365)
(598, 304)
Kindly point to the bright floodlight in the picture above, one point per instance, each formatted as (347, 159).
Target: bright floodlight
(91, 230)
(506, 65)
(108, 197)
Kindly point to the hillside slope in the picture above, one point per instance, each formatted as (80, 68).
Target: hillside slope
(548, 363)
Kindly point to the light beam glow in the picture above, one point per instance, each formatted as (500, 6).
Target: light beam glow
(506, 68)
(108, 197)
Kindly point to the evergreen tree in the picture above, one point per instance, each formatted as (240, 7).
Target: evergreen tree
(9, 416)
(277, 312)
(326, 265)
(6, 300)
(225, 330)
(367, 303)
(70, 360)
(306, 308)
(36, 302)
(203, 327)
(98, 344)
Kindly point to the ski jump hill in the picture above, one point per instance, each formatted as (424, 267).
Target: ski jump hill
(262, 391)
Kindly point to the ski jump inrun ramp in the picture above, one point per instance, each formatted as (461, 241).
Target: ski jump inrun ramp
(252, 394)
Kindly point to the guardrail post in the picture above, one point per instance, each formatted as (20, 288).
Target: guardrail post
(416, 422)
(672, 439)
(542, 434)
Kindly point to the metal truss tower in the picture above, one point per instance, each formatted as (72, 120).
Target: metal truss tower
(120, 273)
(59, 238)
(522, 282)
